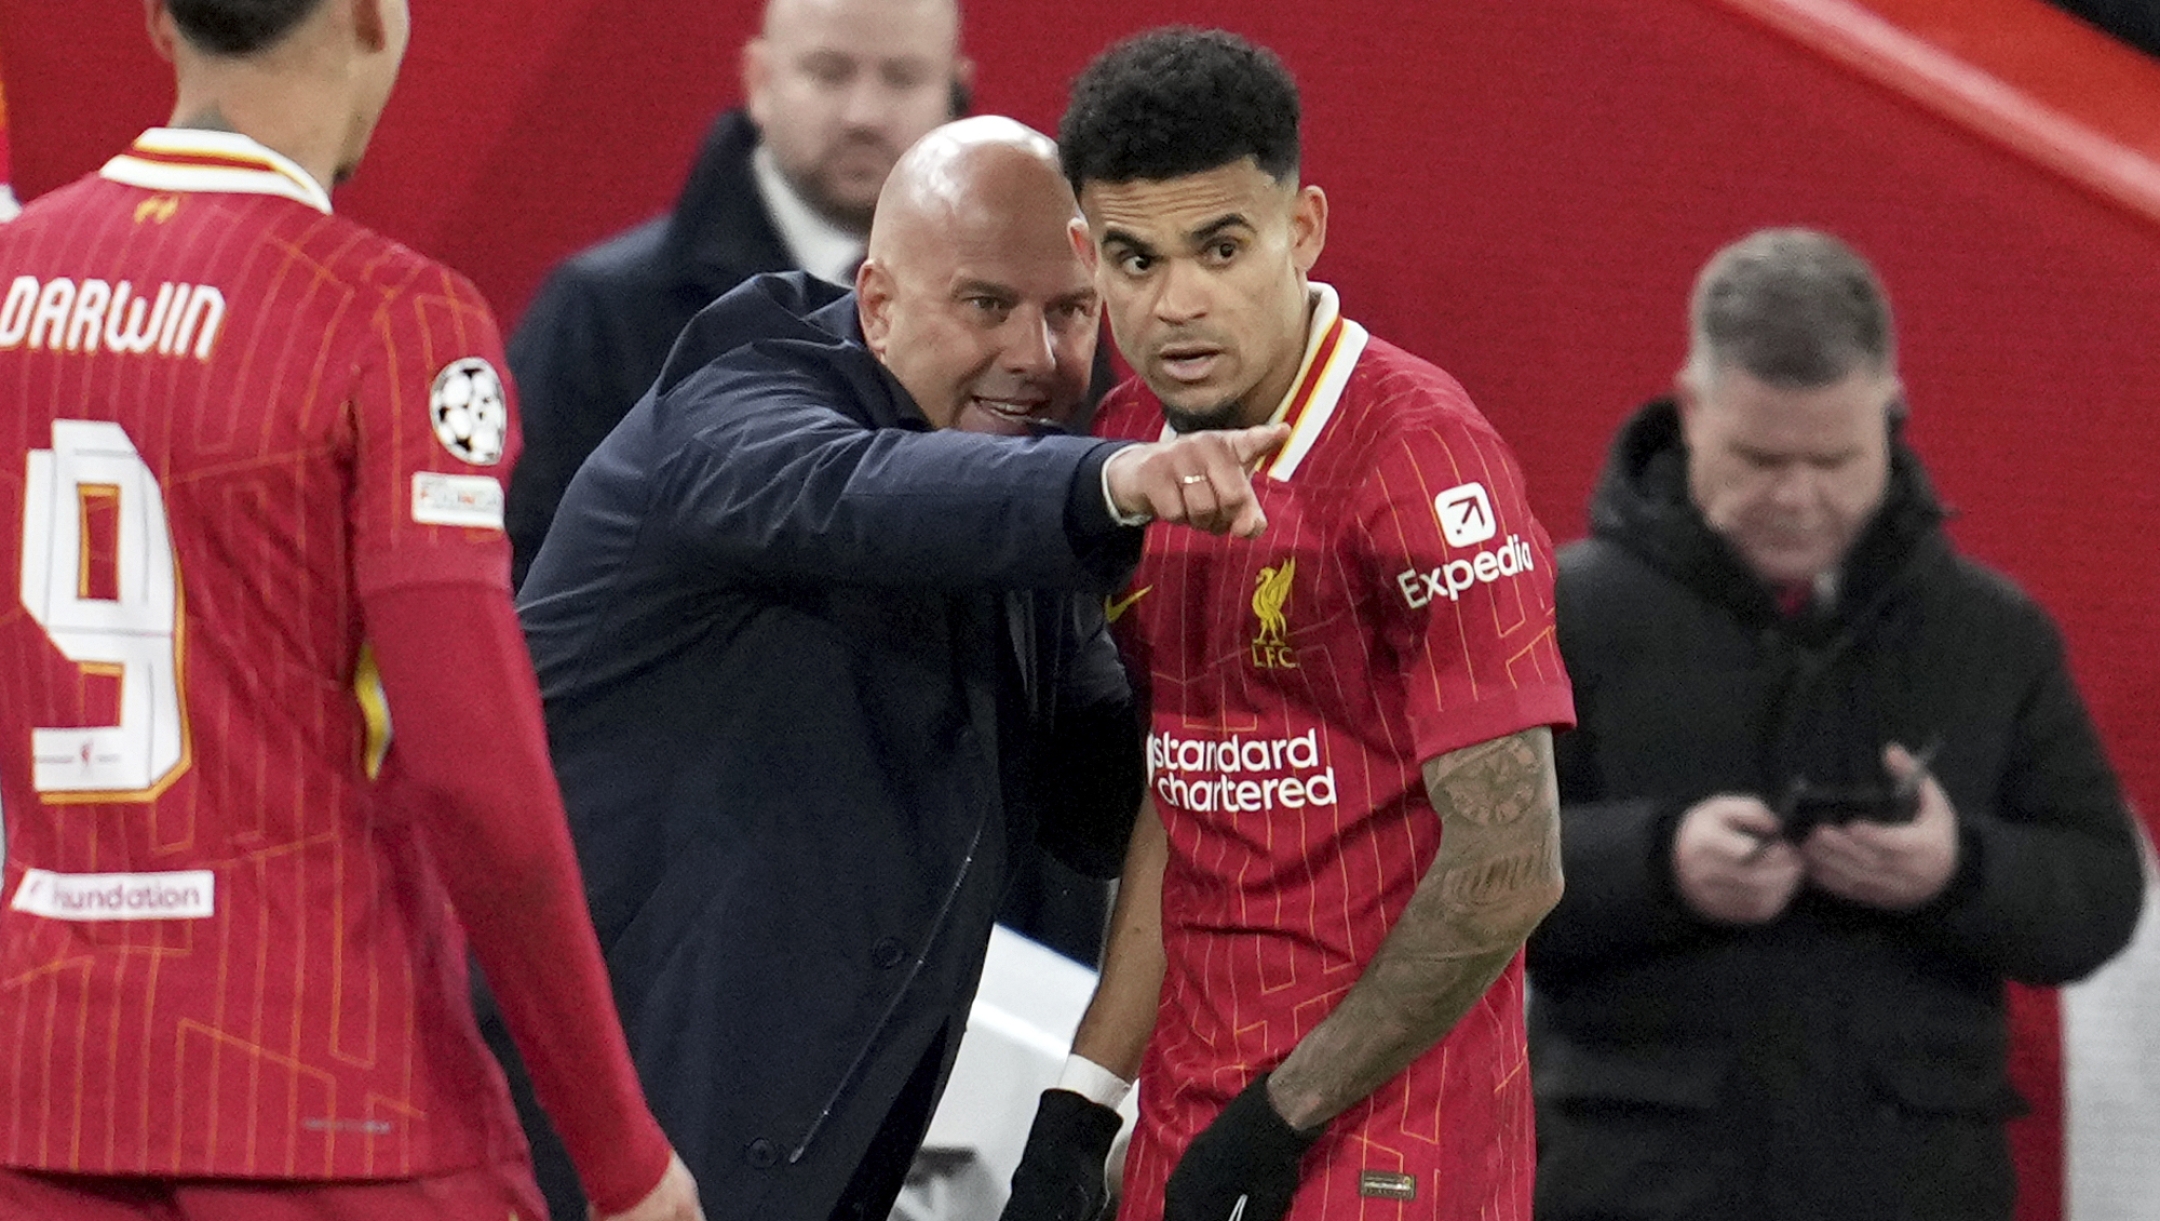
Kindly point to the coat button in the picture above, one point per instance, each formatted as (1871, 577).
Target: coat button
(887, 953)
(760, 1154)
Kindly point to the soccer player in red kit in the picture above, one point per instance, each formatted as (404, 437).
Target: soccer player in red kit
(268, 732)
(1352, 808)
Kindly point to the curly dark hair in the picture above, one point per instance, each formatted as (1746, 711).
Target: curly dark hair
(238, 27)
(1176, 101)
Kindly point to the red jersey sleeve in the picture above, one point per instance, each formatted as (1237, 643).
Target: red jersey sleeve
(1465, 577)
(433, 440)
(434, 437)
(471, 759)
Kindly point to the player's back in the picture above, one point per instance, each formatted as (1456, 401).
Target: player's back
(223, 954)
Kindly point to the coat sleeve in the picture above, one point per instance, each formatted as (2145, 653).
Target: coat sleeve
(1616, 853)
(2050, 883)
(1617, 858)
(777, 484)
(1091, 771)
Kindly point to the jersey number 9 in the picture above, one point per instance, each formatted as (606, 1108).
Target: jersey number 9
(133, 636)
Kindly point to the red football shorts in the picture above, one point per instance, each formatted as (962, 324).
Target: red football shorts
(488, 1193)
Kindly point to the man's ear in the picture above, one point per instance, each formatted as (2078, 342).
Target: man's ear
(1308, 227)
(1895, 409)
(1083, 243)
(961, 94)
(370, 27)
(1687, 392)
(756, 79)
(873, 305)
(164, 35)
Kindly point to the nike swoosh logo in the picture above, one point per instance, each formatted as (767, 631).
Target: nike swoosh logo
(1237, 1210)
(1114, 608)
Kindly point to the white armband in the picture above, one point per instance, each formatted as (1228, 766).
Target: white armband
(1093, 1082)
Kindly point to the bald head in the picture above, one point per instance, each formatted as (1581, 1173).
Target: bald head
(987, 172)
(838, 88)
(973, 293)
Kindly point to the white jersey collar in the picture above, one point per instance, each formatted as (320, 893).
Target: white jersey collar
(1333, 344)
(189, 159)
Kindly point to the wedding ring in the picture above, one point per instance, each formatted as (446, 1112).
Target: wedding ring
(1191, 479)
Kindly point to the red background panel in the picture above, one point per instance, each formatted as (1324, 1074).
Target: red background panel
(1521, 189)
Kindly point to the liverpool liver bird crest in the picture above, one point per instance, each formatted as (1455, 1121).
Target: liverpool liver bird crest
(1271, 590)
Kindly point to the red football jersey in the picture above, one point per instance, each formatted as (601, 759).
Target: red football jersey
(227, 416)
(1399, 607)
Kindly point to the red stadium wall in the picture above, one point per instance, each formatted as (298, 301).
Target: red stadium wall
(1521, 190)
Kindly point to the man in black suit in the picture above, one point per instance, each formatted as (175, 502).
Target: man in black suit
(834, 91)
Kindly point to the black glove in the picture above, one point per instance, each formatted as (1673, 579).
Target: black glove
(1242, 1167)
(1060, 1176)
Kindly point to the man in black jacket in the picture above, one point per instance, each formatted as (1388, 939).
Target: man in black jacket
(817, 657)
(1832, 788)
(834, 90)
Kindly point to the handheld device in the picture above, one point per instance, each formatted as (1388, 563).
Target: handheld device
(1808, 806)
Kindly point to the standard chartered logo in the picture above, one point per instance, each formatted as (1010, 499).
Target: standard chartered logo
(1238, 775)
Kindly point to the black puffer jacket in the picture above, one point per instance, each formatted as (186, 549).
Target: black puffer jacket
(1840, 1061)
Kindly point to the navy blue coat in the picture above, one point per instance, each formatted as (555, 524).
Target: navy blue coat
(810, 670)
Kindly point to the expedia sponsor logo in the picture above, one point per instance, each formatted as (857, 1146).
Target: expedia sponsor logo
(1466, 516)
(361, 1127)
(1239, 775)
(1457, 577)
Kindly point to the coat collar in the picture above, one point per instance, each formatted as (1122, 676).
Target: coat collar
(797, 319)
(720, 232)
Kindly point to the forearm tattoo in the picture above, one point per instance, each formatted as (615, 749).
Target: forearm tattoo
(1496, 875)
(1491, 784)
(1483, 882)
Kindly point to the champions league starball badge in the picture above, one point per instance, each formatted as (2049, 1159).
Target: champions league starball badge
(471, 418)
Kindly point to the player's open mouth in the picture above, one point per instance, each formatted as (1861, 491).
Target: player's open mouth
(1187, 363)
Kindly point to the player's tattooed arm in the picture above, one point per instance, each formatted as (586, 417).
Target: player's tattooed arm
(1496, 875)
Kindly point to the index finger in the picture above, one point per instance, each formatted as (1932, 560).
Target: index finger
(1252, 444)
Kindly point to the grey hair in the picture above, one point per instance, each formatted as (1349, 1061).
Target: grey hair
(1792, 307)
